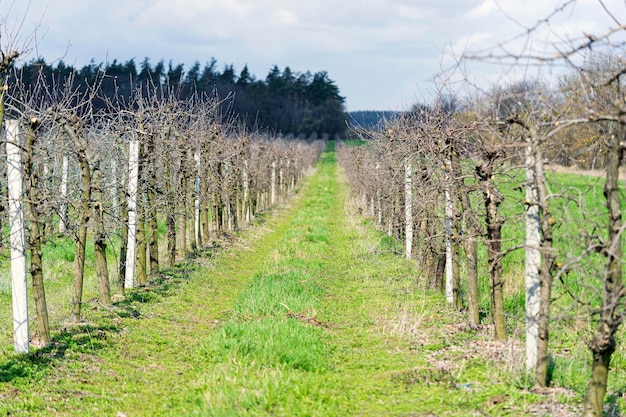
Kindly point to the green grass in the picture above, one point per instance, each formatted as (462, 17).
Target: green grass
(578, 206)
(281, 343)
(313, 314)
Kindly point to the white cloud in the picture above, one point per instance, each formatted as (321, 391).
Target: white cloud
(285, 18)
(472, 41)
(378, 51)
(483, 10)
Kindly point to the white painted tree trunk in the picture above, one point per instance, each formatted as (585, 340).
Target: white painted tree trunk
(196, 157)
(64, 176)
(17, 238)
(131, 249)
(246, 187)
(273, 184)
(379, 209)
(281, 180)
(449, 259)
(533, 261)
(408, 209)
(229, 214)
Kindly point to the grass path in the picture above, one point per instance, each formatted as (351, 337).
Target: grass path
(310, 315)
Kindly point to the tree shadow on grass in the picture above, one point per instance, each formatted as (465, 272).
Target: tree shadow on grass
(75, 341)
(613, 401)
(169, 281)
(162, 286)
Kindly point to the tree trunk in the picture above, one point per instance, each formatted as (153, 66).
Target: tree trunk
(115, 201)
(450, 280)
(547, 266)
(196, 205)
(81, 243)
(281, 179)
(99, 240)
(170, 216)
(602, 345)
(246, 193)
(153, 225)
(35, 233)
(408, 210)
(205, 193)
(141, 272)
(151, 211)
(63, 209)
(205, 224)
(466, 229)
(181, 244)
(121, 267)
(471, 251)
(190, 197)
(273, 183)
(469, 231)
(84, 213)
(379, 204)
(494, 221)
(222, 214)
(438, 272)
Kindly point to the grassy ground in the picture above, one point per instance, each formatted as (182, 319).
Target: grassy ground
(309, 314)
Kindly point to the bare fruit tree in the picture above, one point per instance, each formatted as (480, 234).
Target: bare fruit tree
(595, 107)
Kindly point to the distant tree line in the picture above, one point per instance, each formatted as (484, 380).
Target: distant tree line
(371, 119)
(286, 102)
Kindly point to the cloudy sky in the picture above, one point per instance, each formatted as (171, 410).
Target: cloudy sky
(383, 54)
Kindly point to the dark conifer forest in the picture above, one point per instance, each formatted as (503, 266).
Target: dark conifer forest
(286, 102)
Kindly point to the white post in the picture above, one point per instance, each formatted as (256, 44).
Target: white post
(449, 260)
(246, 186)
(196, 157)
(273, 190)
(533, 260)
(228, 206)
(17, 237)
(64, 175)
(281, 180)
(379, 209)
(133, 173)
(408, 209)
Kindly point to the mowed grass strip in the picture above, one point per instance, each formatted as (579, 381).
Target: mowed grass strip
(317, 316)
(271, 356)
